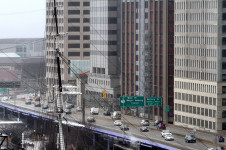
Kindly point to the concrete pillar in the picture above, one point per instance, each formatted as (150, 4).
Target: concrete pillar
(35, 124)
(3, 115)
(108, 143)
(93, 139)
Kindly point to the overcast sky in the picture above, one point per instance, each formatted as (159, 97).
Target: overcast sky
(22, 18)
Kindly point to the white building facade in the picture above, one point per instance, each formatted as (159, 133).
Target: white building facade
(200, 65)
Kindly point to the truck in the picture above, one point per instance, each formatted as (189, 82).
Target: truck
(116, 115)
(94, 111)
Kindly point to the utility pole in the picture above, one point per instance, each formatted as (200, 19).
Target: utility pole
(59, 109)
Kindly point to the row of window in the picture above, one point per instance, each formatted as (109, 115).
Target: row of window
(51, 4)
(77, 20)
(99, 82)
(76, 12)
(195, 40)
(102, 42)
(78, 4)
(197, 63)
(196, 16)
(77, 45)
(196, 98)
(197, 110)
(78, 53)
(51, 12)
(195, 87)
(77, 29)
(197, 52)
(52, 20)
(196, 122)
(103, 20)
(101, 9)
(194, 74)
(197, 4)
(98, 70)
(198, 28)
(77, 37)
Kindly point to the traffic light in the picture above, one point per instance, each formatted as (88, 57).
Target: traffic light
(104, 93)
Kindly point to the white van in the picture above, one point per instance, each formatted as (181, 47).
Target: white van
(94, 111)
(116, 115)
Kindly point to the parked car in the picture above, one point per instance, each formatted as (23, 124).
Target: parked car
(124, 127)
(220, 148)
(164, 132)
(79, 108)
(45, 106)
(116, 115)
(91, 119)
(107, 113)
(67, 111)
(161, 126)
(37, 104)
(190, 138)
(143, 129)
(28, 101)
(168, 137)
(157, 122)
(144, 123)
(69, 106)
(220, 138)
(117, 123)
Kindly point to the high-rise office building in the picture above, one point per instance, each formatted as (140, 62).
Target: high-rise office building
(147, 52)
(200, 63)
(104, 50)
(74, 40)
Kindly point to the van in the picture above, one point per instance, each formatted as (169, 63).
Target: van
(116, 115)
(94, 111)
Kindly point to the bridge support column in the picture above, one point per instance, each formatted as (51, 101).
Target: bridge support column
(11, 115)
(3, 114)
(35, 124)
(93, 139)
(108, 143)
(18, 116)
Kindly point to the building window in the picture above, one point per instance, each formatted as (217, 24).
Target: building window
(223, 125)
(223, 65)
(73, 20)
(223, 40)
(72, 12)
(86, 20)
(73, 53)
(74, 29)
(223, 77)
(73, 45)
(224, 16)
(86, 45)
(73, 3)
(85, 12)
(223, 28)
(85, 3)
(85, 29)
(112, 20)
(223, 89)
(223, 101)
(86, 53)
(73, 37)
(86, 37)
(224, 114)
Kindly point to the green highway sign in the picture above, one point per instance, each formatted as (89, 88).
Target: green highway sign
(3, 90)
(167, 108)
(153, 101)
(131, 101)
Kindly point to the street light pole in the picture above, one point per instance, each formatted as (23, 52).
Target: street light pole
(216, 128)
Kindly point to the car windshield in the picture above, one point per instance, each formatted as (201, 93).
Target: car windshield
(166, 131)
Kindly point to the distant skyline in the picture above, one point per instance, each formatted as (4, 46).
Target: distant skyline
(22, 18)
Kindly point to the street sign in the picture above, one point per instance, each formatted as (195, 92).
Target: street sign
(132, 101)
(153, 101)
(3, 90)
(167, 108)
(150, 101)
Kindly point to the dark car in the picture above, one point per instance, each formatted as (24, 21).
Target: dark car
(91, 119)
(107, 113)
(190, 138)
(143, 129)
(161, 126)
(157, 122)
(124, 127)
(220, 138)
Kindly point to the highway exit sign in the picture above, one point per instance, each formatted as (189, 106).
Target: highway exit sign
(132, 101)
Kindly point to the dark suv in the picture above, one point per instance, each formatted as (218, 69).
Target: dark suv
(190, 138)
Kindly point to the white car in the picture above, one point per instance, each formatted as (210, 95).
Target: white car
(169, 137)
(164, 132)
(117, 123)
